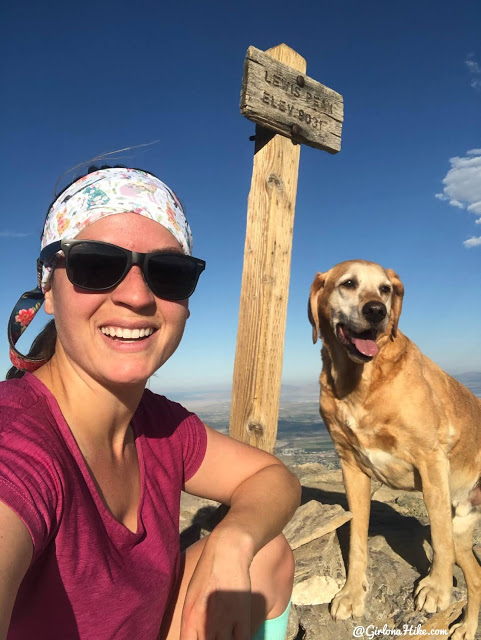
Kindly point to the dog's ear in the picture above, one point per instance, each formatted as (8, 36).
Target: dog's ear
(397, 300)
(313, 304)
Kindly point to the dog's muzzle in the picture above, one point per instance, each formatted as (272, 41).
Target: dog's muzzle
(362, 345)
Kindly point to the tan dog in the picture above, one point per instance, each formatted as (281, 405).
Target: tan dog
(393, 414)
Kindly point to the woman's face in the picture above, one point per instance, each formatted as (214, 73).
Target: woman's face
(82, 318)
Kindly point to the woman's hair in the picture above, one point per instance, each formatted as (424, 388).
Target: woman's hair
(44, 344)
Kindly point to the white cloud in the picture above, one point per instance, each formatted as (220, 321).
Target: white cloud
(472, 242)
(475, 208)
(456, 203)
(13, 234)
(462, 183)
(473, 66)
(462, 186)
(475, 70)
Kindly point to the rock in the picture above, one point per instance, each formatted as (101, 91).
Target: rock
(386, 494)
(412, 503)
(399, 555)
(477, 535)
(190, 507)
(314, 471)
(317, 624)
(320, 571)
(315, 590)
(195, 515)
(292, 623)
(313, 520)
(391, 581)
(440, 620)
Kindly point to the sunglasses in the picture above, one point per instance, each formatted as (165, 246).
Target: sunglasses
(99, 266)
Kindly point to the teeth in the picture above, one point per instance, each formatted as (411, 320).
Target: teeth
(127, 334)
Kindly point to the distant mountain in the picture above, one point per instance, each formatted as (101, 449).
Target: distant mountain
(298, 410)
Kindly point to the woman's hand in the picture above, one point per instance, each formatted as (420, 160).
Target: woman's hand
(218, 600)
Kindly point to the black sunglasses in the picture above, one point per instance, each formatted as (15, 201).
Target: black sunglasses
(98, 266)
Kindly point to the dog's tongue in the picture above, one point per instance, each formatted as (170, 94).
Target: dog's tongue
(366, 347)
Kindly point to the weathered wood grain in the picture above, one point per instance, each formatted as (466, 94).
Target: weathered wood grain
(276, 96)
(265, 282)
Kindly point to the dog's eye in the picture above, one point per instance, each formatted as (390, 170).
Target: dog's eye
(349, 284)
(385, 288)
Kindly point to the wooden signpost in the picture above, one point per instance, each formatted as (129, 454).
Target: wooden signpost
(289, 109)
(275, 95)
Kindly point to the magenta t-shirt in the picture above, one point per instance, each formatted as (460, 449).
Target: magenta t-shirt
(91, 578)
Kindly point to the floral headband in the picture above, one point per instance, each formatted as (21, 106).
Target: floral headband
(97, 195)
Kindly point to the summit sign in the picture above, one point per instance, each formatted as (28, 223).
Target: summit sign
(289, 109)
(281, 99)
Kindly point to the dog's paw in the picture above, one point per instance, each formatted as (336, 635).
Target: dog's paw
(463, 630)
(349, 602)
(431, 595)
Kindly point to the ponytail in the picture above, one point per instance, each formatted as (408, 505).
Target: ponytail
(42, 347)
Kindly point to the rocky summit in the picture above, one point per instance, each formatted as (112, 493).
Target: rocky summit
(399, 556)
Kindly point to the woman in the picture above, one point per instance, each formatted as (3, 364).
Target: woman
(92, 464)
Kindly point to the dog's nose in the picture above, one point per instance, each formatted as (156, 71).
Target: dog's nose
(374, 312)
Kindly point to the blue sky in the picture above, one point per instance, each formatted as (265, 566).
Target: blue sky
(79, 79)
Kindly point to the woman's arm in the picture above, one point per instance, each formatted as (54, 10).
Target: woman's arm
(263, 495)
(261, 491)
(15, 556)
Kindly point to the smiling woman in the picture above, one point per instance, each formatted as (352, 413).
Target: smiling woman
(92, 464)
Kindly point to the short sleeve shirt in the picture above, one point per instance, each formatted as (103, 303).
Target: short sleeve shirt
(91, 577)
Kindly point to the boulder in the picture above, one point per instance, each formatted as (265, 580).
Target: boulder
(399, 556)
(320, 571)
(313, 520)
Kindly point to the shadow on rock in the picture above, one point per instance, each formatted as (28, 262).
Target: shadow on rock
(405, 535)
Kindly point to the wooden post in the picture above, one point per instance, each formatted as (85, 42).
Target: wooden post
(265, 282)
(270, 222)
